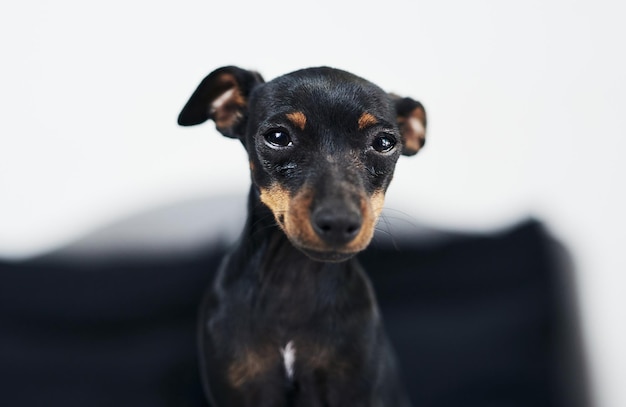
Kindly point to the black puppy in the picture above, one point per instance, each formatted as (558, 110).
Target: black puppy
(292, 319)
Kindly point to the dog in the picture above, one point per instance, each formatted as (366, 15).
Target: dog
(292, 319)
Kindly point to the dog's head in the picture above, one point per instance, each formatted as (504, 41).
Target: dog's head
(322, 145)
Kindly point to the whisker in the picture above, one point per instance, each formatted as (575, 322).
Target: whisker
(257, 230)
(405, 217)
(389, 231)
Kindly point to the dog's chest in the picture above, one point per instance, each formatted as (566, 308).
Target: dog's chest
(292, 336)
(298, 360)
(288, 354)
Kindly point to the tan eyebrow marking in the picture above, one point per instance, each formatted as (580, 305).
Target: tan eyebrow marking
(298, 119)
(366, 120)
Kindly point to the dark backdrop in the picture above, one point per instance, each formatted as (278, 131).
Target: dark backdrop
(476, 320)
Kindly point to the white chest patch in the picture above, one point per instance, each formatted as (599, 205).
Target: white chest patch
(289, 358)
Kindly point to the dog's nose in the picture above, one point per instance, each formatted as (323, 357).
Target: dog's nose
(336, 227)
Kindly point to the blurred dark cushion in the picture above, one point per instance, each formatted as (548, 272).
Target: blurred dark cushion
(477, 320)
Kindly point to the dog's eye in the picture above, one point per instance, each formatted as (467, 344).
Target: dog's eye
(278, 138)
(383, 143)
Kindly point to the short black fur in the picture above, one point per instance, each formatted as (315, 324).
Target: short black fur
(322, 145)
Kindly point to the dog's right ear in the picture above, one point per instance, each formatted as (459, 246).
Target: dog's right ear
(411, 118)
(223, 97)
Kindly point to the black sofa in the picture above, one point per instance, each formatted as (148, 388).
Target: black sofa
(476, 319)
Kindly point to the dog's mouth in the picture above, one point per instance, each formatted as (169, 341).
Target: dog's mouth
(331, 256)
(306, 238)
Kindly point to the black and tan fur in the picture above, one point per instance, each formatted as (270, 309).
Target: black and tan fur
(291, 319)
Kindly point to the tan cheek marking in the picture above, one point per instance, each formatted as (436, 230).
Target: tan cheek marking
(277, 199)
(293, 216)
(370, 211)
(298, 119)
(378, 201)
(366, 120)
(298, 221)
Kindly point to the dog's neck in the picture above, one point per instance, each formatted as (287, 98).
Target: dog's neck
(286, 275)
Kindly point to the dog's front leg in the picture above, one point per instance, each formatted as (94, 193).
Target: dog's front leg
(265, 393)
(260, 392)
(249, 377)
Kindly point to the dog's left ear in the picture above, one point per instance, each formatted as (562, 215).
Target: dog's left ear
(411, 117)
(223, 97)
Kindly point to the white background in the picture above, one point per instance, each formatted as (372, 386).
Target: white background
(526, 102)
